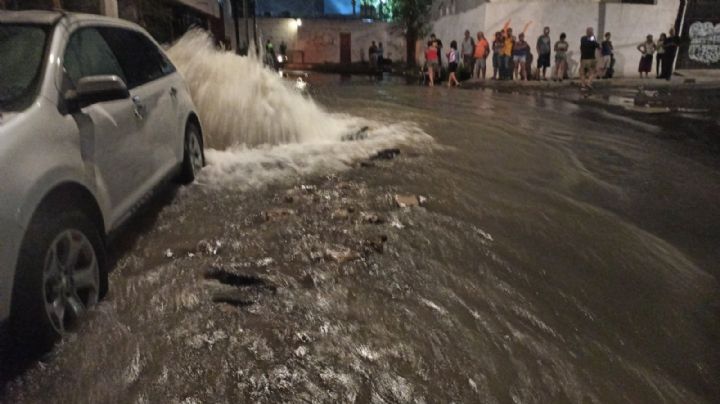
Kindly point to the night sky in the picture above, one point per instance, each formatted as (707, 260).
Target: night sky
(339, 6)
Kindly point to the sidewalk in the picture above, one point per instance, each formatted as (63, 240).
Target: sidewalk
(686, 79)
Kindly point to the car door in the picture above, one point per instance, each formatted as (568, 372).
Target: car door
(154, 94)
(111, 138)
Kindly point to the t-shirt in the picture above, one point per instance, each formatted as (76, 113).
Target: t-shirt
(452, 56)
(508, 47)
(607, 48)
(649, 48)
(481, 49)
(561, 48)
(588, 46)
(468, 46)
(497, 46)
(521, 49)
(543, 45)
(431, 55)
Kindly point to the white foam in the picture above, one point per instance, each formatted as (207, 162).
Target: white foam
(258, 128)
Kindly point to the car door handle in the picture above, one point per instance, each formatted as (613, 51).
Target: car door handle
(139, 107)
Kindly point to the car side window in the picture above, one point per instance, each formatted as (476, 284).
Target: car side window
(139, 57)
(87, 54)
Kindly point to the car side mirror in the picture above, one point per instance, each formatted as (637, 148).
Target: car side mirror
(93, 89)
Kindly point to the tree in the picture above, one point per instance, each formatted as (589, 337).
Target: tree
(412, 19)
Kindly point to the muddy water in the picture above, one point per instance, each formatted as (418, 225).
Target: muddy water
(564, 254)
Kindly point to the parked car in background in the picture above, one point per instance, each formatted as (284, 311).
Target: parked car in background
(93, 117)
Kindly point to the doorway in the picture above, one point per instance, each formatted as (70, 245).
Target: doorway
(345, 48)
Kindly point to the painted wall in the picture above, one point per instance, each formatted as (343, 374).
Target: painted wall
(319, 39)
(628, 23)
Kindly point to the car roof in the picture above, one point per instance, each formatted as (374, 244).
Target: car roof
(52, 17)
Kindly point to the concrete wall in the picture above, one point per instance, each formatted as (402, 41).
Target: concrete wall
(628, 23)
(319, 39)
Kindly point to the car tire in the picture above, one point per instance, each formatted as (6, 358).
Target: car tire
(193, 154)
(61, 272)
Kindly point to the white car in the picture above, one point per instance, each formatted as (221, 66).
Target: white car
(93, 117)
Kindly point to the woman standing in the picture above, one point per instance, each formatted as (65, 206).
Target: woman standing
(520, 55)
(647, 49)
(660, 54)
(452, 57)
(431, 58)
(561, 48)
(497, 46)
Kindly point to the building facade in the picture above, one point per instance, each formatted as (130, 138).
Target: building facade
(629, 21)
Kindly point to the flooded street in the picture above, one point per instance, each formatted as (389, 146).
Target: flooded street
(562, 253)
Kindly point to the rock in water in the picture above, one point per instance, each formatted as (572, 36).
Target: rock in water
(387, 154)
(359, 135)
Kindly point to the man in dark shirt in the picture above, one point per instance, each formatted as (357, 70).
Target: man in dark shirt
(588, 62)
(543, 48)
(671, 47)
(605, 70)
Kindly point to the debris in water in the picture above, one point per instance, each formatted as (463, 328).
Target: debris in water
(308, 188)
(359, 135)
(341, 255)
(207, 247)
(397, 224)
(407, 201)
(274, 214)
(168, 253)
(369, 217)
(387, 154)
(376, 243)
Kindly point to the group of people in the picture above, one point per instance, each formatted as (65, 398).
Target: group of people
(664, 50)
(512, 57)
(376, 55)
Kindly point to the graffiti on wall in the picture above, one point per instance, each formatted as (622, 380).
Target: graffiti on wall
(704, 43)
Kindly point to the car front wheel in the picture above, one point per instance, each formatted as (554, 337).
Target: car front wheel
(60, 275)
(193, 156)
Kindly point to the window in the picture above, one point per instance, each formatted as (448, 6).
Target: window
(140, 58)
(21, 64)
(87, 54)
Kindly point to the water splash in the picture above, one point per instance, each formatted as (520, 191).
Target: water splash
(259, 129)
(243, 103)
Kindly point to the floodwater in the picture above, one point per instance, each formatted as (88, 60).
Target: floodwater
(564, 254)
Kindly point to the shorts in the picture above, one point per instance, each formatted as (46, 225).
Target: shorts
(519, 59)
(606, 61)
(544, 60)
(588, 65)
(452, 67)
(433, 65)
(481, 62)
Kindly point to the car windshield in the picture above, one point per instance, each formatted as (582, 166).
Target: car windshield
(21, 55)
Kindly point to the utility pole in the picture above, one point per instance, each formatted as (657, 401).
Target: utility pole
(255, 38)
(247, 23)
(109, 8)
(235, 17)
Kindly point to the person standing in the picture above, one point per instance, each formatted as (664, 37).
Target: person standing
(607, 51)
(561, 49)
(482, 49)
(468, 48)
(671, 45)
(497, 46)
(507, 51)
(439, 46)
(647, 50)
(380, 56)
(543, 48)
(660, 50)
(452, 58)
(520, 55)
(431, 59)
(372, 54)
(588, 62)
